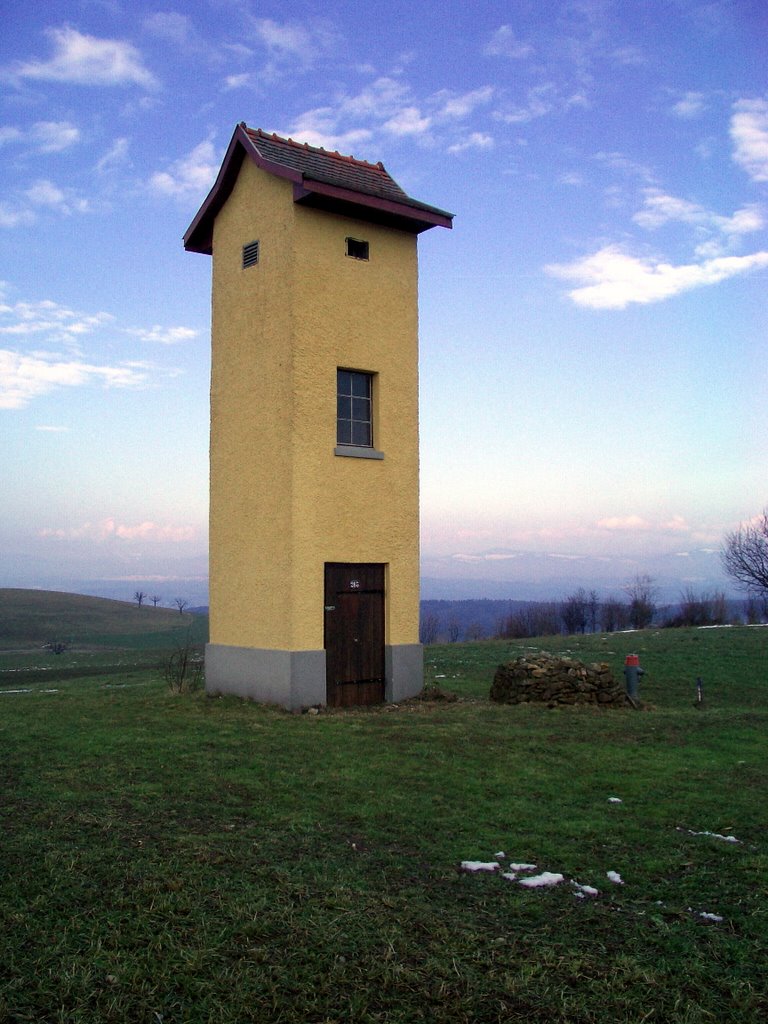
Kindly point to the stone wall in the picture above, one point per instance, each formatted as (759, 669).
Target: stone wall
(544, 679)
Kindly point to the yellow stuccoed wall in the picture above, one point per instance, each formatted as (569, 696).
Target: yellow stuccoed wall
(282, 504)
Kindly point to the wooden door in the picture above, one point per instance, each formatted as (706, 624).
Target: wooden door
(354, 633)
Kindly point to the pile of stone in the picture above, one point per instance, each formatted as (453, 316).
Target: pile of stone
(544, 679)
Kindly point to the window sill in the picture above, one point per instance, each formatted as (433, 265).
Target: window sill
(351, 451)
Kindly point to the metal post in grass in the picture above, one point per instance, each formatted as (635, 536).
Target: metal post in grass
(699, 693)
(632, 673)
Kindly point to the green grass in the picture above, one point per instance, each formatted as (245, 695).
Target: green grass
(188, 859)
(102, 636)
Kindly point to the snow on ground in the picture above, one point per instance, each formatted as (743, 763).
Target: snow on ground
(712, 835)
(584, 890)
(545, 878)
(707, 917)
(549, 878)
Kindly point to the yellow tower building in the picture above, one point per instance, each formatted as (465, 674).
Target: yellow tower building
(314, 492)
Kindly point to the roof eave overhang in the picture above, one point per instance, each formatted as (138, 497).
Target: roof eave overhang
(349, 203)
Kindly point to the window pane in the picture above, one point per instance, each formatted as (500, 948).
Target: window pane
(344, 382)
(361, 409)
(361, 385)
(361, 433)
(344, 408)
(344, 432)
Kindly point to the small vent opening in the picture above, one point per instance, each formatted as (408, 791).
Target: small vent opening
(356, 249)
(250, 254)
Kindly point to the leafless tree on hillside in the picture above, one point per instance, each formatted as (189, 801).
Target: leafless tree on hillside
(155, 599)
(642, 594)
(745, 555)
(139, 597)
(181, 603)
(428, 629)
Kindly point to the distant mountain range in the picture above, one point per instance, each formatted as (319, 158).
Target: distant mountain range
(499, 574)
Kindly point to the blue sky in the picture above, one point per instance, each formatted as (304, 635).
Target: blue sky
(593, 374)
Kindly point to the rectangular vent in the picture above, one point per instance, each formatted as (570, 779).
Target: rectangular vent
(250, 254)
(356, 249)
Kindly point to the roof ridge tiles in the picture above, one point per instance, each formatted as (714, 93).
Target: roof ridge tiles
(334, 154)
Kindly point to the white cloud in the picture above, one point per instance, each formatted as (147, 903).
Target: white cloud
(475, 140)
(622, 523)
(749, 132)
(9, 133)
(58, 322)
(164, 335)
(613, 279)
(59, 334)
(690, 105)
(44, 193)
(541, 99)
(26, 377)
(718, 234)
(242, 81)
(44, 136)
(112, 529)
(13, 217)
(659, 208)
(466, 103)
(407, 121)
(54, 136)
(192, 175)
(289, 39)
(389, 105)
(115, 155)
(176, 28)
(87, 60)
(504, 43)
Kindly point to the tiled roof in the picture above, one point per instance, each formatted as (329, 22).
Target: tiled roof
(322, 179)
(330, 167)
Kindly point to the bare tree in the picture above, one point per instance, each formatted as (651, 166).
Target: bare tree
(745, 555)
(454, 631)
(428, 629)
(593, 610)
(574, 611)
(155, 599)
(475, 631)
(642, 601)
(139, 597)
(614, 614)
(181, 603)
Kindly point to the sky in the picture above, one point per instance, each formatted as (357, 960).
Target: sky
(594, 396)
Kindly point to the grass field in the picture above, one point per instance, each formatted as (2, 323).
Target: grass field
(184, 859)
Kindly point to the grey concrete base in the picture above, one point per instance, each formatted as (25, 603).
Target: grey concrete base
(404, 668)
(293, 679)
(296, 679)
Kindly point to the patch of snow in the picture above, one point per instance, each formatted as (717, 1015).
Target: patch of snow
(15, 691)
(545, 878)
(707, 917)
(712, 835)
(584, 890)
(500, 855)
(522, 867)
(509, 875)
(479, 865)
(615, 800)
(614, 876)
(722, 625)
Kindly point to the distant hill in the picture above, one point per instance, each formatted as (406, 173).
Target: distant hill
(36, 616)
